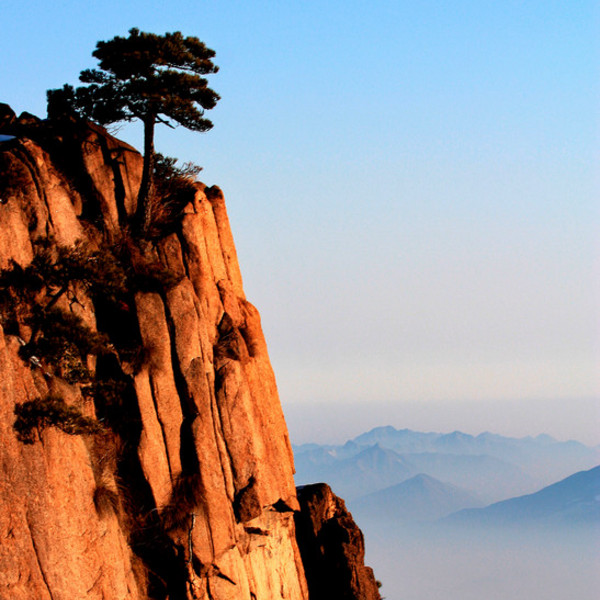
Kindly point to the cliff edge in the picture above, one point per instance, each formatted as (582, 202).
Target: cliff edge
(154, 462)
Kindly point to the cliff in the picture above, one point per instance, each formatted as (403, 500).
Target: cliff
(332, 547)
(150, 459)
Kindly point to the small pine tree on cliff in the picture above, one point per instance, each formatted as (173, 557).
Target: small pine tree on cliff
(154, 78)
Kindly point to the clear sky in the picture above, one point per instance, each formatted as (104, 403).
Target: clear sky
(413, 188)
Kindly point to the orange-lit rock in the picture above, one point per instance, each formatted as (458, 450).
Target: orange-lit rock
(190, 492)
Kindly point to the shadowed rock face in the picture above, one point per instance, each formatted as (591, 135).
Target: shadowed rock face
(332, 547)
(189, 492)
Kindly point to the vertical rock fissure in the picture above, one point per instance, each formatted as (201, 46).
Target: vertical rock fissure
(214, 194)
(188, 457)
(162, 425)
(217, 417)
(76, 169)
(190, 539)
(218, 429)
(184, 252)
(67, 154)
(96, 581)
(37, 558)
(29, 161)
(111, 158)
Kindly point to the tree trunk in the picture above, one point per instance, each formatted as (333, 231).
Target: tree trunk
(143, 214)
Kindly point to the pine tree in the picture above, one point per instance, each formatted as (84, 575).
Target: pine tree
(154, 78)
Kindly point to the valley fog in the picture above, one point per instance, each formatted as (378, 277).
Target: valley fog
(451, 516)
(439, 563)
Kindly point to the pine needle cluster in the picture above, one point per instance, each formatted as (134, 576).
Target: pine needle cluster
(50, 411)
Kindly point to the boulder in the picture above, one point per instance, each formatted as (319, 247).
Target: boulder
(332, 547)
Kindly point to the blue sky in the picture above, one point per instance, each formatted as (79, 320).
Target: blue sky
(413, 188)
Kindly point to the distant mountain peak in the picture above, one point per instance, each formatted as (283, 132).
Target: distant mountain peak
(573, 499)
(420, 498)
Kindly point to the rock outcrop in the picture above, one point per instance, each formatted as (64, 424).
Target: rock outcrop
(186, 490)
(332, 547)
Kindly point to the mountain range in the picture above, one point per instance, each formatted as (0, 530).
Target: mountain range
(489, 466)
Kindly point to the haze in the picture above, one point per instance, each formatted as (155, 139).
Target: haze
(412, 189)
(419, 564)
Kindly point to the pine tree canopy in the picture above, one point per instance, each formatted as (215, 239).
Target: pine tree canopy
(145, 76)
(154, 78)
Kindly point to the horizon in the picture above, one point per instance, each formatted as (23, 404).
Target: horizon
(412, 191)
(471, 433)
(318, 422)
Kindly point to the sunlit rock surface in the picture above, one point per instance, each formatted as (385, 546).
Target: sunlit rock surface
(199, 477)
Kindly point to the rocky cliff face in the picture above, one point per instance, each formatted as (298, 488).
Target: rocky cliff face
(184, 486)
(332, 547)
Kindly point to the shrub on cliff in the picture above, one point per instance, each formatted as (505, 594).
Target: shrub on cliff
(58, 271)
(154, 78)
(175, 187)
(186, 498)
(37, 305)
(106, 501)
(172, 179)
(51, 411)
(32, 303)
(64, 342)
(29, 305)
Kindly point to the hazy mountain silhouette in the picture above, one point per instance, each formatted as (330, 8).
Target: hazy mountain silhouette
(575, 499)
(494, 467)
(371, 469)
(542, 457)
(491, 478)
(420, 498)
